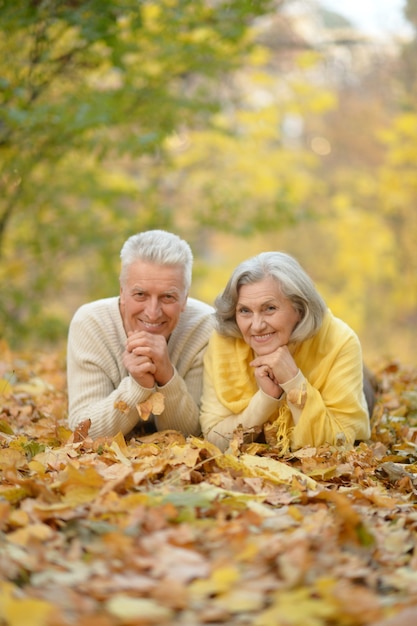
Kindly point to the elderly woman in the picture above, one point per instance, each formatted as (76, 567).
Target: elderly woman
(281, 363)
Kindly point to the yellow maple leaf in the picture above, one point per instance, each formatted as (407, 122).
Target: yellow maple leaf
(11, 458)
(275, 470)
(128, 609)
(5, 387)
(16, 610)
(222, 580)
(33, 532)
(154, 405)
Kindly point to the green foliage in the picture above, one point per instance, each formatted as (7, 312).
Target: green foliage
(85, 87)
(122, 115)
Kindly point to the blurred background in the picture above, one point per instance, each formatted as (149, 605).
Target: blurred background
(242, 125)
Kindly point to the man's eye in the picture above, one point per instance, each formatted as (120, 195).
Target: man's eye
(168, 298)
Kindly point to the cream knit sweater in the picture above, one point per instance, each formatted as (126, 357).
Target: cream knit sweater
(98, 380)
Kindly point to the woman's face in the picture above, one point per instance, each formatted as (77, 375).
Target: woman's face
(264, 316)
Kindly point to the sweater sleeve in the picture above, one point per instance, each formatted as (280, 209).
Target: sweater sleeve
(218, 423)
(187, 346)
(335, 407)
(99, 389)
(182, 400)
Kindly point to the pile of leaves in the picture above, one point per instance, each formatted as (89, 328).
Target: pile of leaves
(166, 530)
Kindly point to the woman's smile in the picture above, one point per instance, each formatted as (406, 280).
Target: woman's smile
(264, 316)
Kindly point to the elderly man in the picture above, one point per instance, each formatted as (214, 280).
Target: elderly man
(121, 350)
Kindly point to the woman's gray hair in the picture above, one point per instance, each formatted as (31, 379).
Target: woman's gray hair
(159, 247)
(294, 283)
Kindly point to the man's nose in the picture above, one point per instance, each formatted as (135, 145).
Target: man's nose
(153, 308)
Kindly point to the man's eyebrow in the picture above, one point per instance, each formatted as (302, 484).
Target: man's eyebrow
(173, 291)
(169, 291)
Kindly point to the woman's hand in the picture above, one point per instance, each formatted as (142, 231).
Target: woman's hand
(266, 381)
(279, 364)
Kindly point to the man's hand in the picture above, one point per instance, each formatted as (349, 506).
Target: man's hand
(148, 357)
(140, 368)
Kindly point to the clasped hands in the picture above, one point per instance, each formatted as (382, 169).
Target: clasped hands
(273, 369)
(147, 360)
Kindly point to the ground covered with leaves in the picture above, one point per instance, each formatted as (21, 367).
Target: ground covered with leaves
(163, 530)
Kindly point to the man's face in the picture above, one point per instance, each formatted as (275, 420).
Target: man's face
(152, 298)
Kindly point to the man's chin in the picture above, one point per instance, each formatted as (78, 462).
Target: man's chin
(160, 329)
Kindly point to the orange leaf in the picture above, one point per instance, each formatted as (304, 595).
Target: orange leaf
(122, 406)
(81, 432)
(154, 405)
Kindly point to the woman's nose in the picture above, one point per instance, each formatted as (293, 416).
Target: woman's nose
(258, 321)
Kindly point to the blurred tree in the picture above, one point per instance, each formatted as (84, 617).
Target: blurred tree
(86, 85)
(256, 175)
(409, 56)
(352, 167)
(193, 115)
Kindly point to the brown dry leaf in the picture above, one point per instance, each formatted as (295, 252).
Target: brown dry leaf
(154, 405)
(406, 617)
(183, 564)
(122, 406)
(365, 607)
(348, 519)
(81, 432)
(55, 459)
(32, 532)
(163, 529)
(11, 459)
(183, 455)
(80, 486)
(162, 438)
(115, 476)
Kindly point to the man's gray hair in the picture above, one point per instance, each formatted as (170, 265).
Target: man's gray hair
(159, 247)
(292, 280)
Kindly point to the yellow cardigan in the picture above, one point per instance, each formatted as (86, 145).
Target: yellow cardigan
(331, 376)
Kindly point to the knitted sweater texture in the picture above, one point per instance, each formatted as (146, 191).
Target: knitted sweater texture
(98, 382)
(330, 377)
